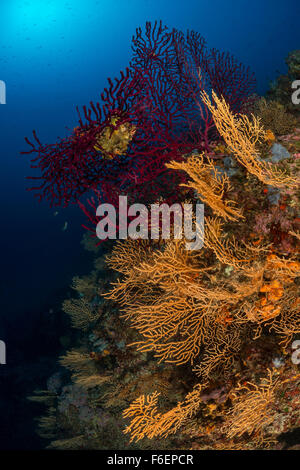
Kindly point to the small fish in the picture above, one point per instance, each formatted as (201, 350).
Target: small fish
(65, 226)
(55, 213)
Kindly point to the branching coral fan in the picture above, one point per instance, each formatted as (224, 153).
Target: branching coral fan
(145, 118)
(241, 134)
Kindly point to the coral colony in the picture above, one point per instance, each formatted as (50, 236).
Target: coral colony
(194, 349)
(2, 352)
(2, 92)
(148, 116)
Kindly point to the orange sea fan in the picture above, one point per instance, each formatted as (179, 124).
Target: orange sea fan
(146, 421)
(210, 184)
(253, 407)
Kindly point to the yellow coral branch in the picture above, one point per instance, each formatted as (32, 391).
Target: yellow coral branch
(241, 135)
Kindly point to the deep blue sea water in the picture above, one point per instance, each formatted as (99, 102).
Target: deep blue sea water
(57, 54)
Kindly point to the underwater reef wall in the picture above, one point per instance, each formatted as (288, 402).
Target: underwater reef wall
(182, 349)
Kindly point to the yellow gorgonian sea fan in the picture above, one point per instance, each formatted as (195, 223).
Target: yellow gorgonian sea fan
(210, 184)
(241, 134)
(115, 138)
(83, 368)
(146, 421)
(253, 407)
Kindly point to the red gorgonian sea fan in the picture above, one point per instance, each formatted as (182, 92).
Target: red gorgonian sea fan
(148, 116)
